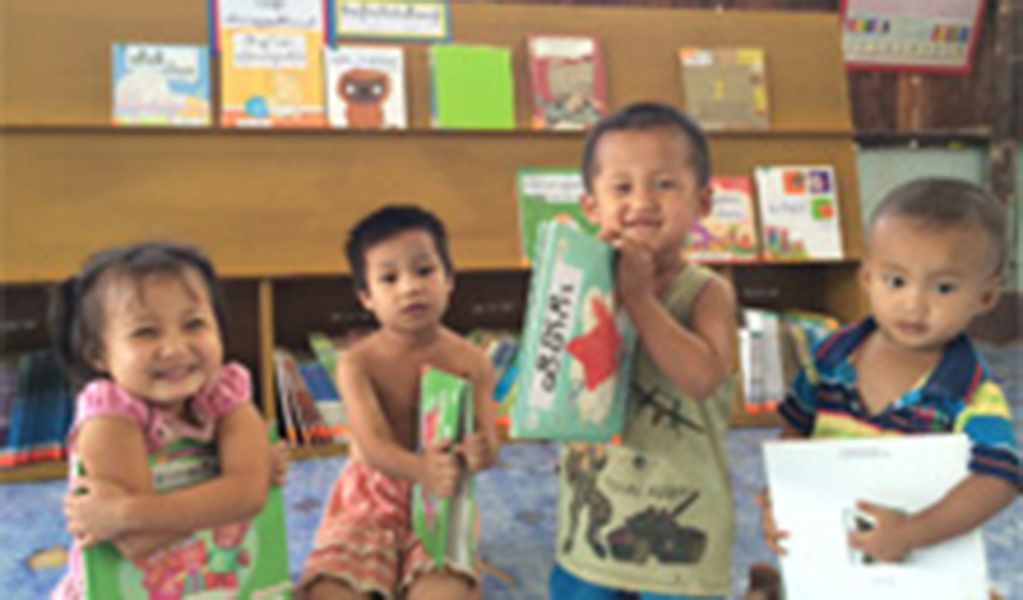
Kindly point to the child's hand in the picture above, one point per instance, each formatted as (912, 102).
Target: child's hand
(280, 462)
(772, 535)
(888, 540)
(93, 510)
(635, 273)
(442, 470)
(477, 452)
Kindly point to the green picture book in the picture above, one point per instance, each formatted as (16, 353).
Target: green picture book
(575, 361)
(472, 87)
(549, 194)
(446, 526)
(248, 559)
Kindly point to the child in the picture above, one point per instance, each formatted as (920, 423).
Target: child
(660, 504)
(143, 324)
(935, 252)
(365, 544)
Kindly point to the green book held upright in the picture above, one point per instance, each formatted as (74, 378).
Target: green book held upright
(472, 87)
(248, 559)
(446, 526)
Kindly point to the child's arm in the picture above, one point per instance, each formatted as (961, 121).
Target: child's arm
(967, 506)
(482, 447)
(695, 360)
(437, 468)
(132, 508)
(773, 535)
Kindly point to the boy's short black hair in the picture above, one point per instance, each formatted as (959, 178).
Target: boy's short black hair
(76, 311)
(386, 223)
(944, 202)
(649, 115)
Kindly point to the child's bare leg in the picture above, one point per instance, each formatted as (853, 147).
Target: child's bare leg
(430, 586)
(327, 588)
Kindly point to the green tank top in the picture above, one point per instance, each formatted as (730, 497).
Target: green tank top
(653, 513)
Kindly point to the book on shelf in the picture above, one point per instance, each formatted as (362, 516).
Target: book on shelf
(799, 212)
(472, 87)
(271, 62)
(39, 403)
(725, 88)
(729, 232)
(446, 526)
(577, 343)
(303, 422)
(549, 194)
(568, 82)
(161, 84)
(248, 559)
(815, 487)
(503, 349)
(365, 87)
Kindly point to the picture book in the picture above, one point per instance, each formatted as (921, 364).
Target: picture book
(725, 88)
(815, 487)
(548, 194)
(472, 87)
(365, 87)
(577, 346)
(161, 85)
(568, 81)
(446, 526)
(248, 559)
(729, 232)
(799, 215)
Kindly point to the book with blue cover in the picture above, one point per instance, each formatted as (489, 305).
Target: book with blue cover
(248, 559)
(577, 346)
(446, 526)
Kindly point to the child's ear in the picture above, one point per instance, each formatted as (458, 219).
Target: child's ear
(365, 299)
(94, 357)
(990, 295)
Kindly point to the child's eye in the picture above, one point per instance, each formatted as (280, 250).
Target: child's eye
(664, 184)
(895, 281)
(426, 270)
(195, 324)
(144, 333)
(944, 288)
(622, 189)
(389, 278)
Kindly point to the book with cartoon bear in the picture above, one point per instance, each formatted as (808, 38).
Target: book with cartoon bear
(365, 87)
(248, 559)
(577, 343)
(446, 526)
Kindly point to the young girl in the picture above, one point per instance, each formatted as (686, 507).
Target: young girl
(143, 324)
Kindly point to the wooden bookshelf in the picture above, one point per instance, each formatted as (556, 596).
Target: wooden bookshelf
(272, 207)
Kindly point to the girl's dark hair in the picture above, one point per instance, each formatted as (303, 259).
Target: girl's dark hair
(76, 312)
(385, 223)
(649, 115)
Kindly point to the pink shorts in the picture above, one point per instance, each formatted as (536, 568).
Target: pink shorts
(365, 538)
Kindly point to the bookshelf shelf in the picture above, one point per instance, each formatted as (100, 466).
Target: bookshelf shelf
(272, 207)
(56, 469)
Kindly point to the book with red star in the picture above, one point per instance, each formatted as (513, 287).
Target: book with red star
(577, 344)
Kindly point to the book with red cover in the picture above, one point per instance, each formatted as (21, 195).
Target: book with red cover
(569, 86)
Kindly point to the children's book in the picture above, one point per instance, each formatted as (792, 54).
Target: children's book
(815, 487)
(729, 232)
(161, 85)
(725, 88)
(365, 87)
(799, 216)
(577, 348)
(548, 194)
(568, 81)
(248, 559)
(446, 526)
(472, 87)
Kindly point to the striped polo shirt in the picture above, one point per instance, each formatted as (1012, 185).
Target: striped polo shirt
(957, 396)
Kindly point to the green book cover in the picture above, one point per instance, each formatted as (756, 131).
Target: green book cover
(549, 194)
(446, 526)
(248, 559)
(575, 361)
(472, 87)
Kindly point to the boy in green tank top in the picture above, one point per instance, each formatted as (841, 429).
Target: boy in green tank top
(653, 514)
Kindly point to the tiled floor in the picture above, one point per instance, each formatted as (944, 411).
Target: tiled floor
(518, 506)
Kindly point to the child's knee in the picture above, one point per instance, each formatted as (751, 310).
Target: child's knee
(443, 585)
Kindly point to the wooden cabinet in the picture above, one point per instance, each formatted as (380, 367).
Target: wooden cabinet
(272, 208)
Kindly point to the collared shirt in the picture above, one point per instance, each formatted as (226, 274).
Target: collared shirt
(957, 396)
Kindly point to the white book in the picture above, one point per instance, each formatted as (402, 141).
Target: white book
(815, 486)
(365, 87)
(799, 212)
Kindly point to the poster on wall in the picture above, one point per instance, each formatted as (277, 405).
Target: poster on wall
(926, 36)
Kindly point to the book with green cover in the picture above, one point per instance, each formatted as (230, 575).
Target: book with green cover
(248, 559)
(472, 87)
(549, 194)
(575, 362)
(446, 526)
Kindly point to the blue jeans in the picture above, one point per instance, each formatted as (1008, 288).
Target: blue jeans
(565, 586)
